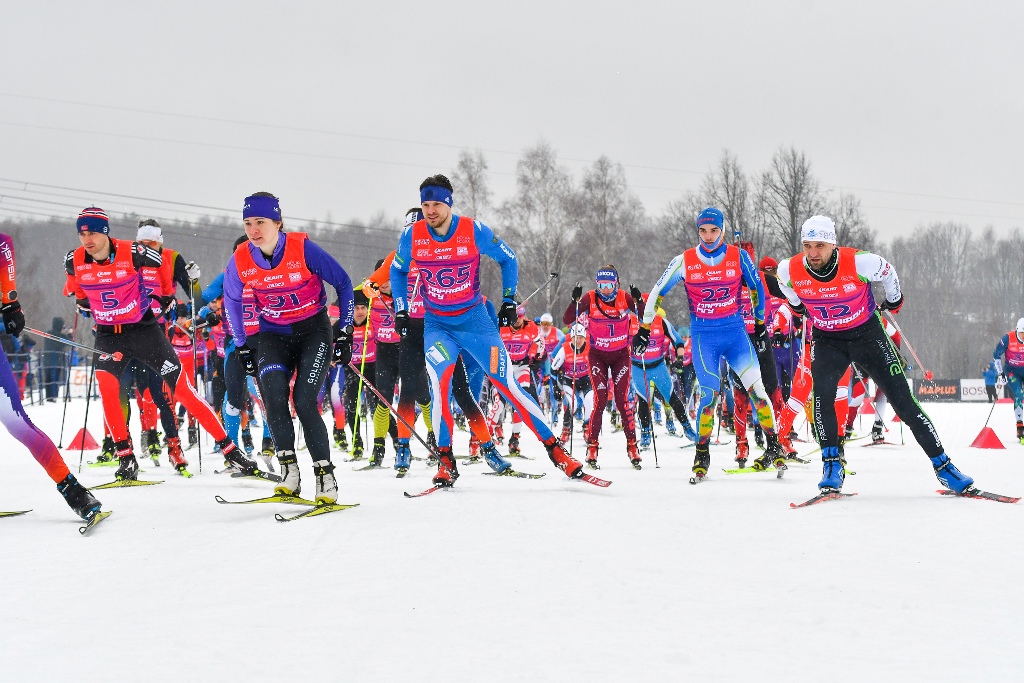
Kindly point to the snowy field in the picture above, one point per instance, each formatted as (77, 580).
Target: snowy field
(518, 580)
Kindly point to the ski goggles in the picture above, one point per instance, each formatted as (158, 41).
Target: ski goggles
(606, 286)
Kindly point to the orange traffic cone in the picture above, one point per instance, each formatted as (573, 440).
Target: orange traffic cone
(83, 441)
(987, 439)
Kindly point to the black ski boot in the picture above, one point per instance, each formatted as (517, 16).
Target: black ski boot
(340, 439)
(78, 498)
(129, 467)
(107, 452)
(877, 434)
(377, 455)
(357, 446)
(701, 462)
(247, 442)
(193, 436)
(234, 455)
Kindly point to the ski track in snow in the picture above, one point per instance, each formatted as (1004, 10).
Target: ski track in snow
(514, 580)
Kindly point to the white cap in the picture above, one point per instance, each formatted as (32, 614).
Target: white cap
(1020, 325)
(150, 232)
(577, 330)
(546, 318)
(818, 229)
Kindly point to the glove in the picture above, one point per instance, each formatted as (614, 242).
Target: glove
(212, 318)
(893, 306)
(192, 270)
(779, 339)
(760, 338)
(1001, 380)
(247, 359)
(401, 323)
(507, 313)
(558, 391)
(640, 340)
(577, 292)
(800, 310)
(83, 308)
(638, 296)
(14, 319)
(205, 333)
(343, 345)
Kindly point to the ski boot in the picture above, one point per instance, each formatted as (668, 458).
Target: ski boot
(759, 437)
(565, 462)
(787, 445)
(670, 425)
(290, 484)
(193, 436)
(688, 431)
(176, 457)
(742, 453)
(447, 472)
(144, 441)
(234, 455)
(832, 471)
(772, 455)
(340, 440)
(326, 484)
(152, 441)
(513, 445)
(377, 454)
(357, 447)
(701, 462)
(633, 455)
(727, 422)
(247, 442)
(128, 469)
(107, 453)
(493, 458)
(78, 498)
(949, 476)
(403, 456)
(616, 424)
(592, 447)
(460, 421)
(431, 441)
(474, 449)
(1020, 432)
(645, 438)
(656, 409)
(267, 453)
(566, 432)
(498, 433)
(877, 435)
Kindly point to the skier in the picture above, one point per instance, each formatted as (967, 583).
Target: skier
(606, 310)
(523, 344)
(571, 365)
(714, 273)
(104, 275)
(832, 285)
(447, 251)
(348, 385)
(650, 367)
(1009, 365)
(13, 414)
(286, 272)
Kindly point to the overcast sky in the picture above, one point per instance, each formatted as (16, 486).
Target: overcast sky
(916, 107)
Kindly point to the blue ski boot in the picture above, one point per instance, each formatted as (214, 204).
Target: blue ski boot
(645, 438)
(403, 455)
(493, 458)
(670, 425)
(949, 476)
(832, 474)
(657, 412)
(688, 431)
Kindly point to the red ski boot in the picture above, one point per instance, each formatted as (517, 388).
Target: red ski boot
(447, 472)
(563, 461)
(175, 455)
(592, 455)
(633, 455)
(742, 453)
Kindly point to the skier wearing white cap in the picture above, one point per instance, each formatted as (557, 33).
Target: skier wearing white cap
(831, 285)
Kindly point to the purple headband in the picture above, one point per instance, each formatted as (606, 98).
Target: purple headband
(258, 206)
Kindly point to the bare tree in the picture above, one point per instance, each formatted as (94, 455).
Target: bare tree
(727, 188)
(472, 188)
(789, 194)
(851, 227)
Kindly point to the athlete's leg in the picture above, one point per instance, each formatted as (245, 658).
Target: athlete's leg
(829, 361)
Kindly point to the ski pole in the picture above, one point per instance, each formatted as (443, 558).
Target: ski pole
(103, 355)
(359, 390)
(648, 393)
(67, 385)
(546, 283)
(912, 352)
(391, 408)
(85, 425)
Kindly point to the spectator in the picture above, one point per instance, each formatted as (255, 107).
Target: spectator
(990, 375)
(54, 361)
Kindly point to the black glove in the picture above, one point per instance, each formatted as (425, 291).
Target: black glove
(577, 292)
(14, 319)
(760, 338)
(507, 313)
(205, 333)
(638, 296)
(83, 308)
(779, 339)
(401, 323)
(893, 306)
(212, 318)
(640, 340)
(558, 391)
(343, 345)
(246, 359)
(1001, 379)
(800, 310)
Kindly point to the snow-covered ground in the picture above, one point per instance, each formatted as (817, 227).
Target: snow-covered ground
(514, 580)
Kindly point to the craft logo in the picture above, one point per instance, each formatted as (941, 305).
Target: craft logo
(462, 251)
(849, 288)
(730, 273)
(294, 277)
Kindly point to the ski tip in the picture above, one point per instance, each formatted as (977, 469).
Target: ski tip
(219, 499)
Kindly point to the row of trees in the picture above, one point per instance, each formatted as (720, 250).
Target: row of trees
(560, 223)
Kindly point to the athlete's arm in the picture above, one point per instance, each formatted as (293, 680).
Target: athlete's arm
(144, 257)
(72, 285)
(558, 360)
(233, 303)
(874, 268)
(569, 317)
(674, 273)
(214, 289)
(493, 246)
(400, 270)
(8, 272)
(754, 284)
(382, 274)
(670, 330)
(327, 268)
(1001, 347)
(786, 287)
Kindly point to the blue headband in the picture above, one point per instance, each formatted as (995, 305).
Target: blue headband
(711, 215)
(607, 274)
(258, 206)
(436, 193)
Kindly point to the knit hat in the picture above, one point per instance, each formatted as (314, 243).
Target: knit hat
(360, 299)
(711, 215)
(767, 262)
(818, 229)
(93, 219)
